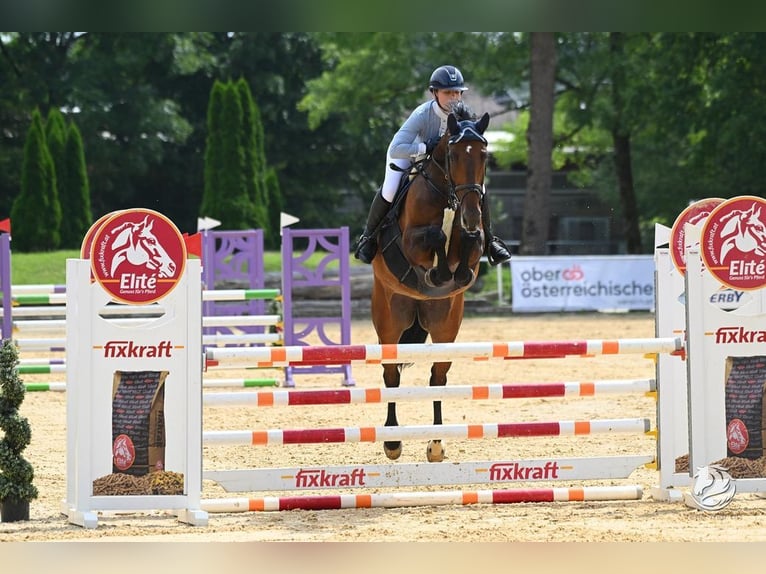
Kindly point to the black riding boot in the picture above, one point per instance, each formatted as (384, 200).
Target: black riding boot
(367, 245)
(496, 251)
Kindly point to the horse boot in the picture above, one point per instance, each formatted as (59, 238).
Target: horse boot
(367, 244)
(494, 248)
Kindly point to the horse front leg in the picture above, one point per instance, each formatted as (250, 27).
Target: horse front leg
(435, 451)
(391, 378)
(469, 244)
(434, 238)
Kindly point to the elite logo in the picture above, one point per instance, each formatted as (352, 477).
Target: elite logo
(712, 488)
(138, 256)
(737, 437)
(694, 214)
(734, 243)
(123, 452)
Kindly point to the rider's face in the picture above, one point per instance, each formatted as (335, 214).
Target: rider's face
(447, 98)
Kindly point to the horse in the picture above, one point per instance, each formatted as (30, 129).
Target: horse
(744, 230)
(429, 250)
(136, 244)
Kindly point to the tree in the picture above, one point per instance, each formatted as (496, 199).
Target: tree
(276, 207)
(55, 139)
(254, 160)
(227, 193)
(36, 212)
(620, 131)
(534, 234)
(74, 192)
(213, 193)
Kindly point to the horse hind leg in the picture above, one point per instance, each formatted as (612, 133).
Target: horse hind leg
(435, 451)
(391, 378)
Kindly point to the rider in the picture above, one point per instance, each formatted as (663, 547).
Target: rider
(419, 135)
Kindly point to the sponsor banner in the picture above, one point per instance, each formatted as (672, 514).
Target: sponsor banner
(582, 283)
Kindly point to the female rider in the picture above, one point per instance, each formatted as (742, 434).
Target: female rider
(418, 135)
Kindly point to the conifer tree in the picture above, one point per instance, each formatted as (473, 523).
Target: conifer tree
(36, 211)
(275, 206)
(212, 193)
(74, 191)
(226, 196)
(55, 139)
(253, 157)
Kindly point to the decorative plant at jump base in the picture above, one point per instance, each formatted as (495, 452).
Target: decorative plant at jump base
(16, 474)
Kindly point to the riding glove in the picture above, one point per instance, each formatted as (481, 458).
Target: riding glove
(432, 143)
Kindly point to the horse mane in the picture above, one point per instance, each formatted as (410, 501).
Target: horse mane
(462, 111)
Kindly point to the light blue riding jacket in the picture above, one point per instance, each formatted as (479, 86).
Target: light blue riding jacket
(425, 121)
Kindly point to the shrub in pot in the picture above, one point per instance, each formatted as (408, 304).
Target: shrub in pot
(16, 473)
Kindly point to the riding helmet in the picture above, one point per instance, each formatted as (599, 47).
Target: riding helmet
(446, 78)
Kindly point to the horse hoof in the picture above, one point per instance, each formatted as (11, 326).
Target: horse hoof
(435, 451)
(393, 452)
(431, 281)
(462, 281)
(427, 279)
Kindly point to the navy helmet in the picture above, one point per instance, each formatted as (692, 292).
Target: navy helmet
(446, 78)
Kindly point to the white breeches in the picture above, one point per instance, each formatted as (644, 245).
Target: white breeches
(392, 178)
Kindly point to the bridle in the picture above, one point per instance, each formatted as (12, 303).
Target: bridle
(467, 133)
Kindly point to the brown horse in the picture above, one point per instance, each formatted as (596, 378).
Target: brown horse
(429, 251)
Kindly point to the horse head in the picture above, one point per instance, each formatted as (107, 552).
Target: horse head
(136, 244)
(744, 230)
(466, 161)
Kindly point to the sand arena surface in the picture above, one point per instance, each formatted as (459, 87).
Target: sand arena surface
(641, 520)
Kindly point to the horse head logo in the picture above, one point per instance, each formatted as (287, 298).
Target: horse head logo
(744, 230)
(712, 487)
(136, 244)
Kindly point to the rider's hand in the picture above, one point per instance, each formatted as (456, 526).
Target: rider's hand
(432, 143)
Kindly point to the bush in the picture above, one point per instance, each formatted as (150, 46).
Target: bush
(16, 474)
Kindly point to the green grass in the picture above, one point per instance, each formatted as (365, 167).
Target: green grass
(47, 268)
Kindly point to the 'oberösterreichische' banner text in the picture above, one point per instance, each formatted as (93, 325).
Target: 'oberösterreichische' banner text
(582, 283)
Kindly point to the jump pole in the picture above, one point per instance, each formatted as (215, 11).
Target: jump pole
(427, 432)
(296, 397)
(60, 386)
(222, 321)
(394, 353)
(409, 499)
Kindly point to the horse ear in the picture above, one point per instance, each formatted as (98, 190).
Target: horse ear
(483, 123)
(452, 124)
